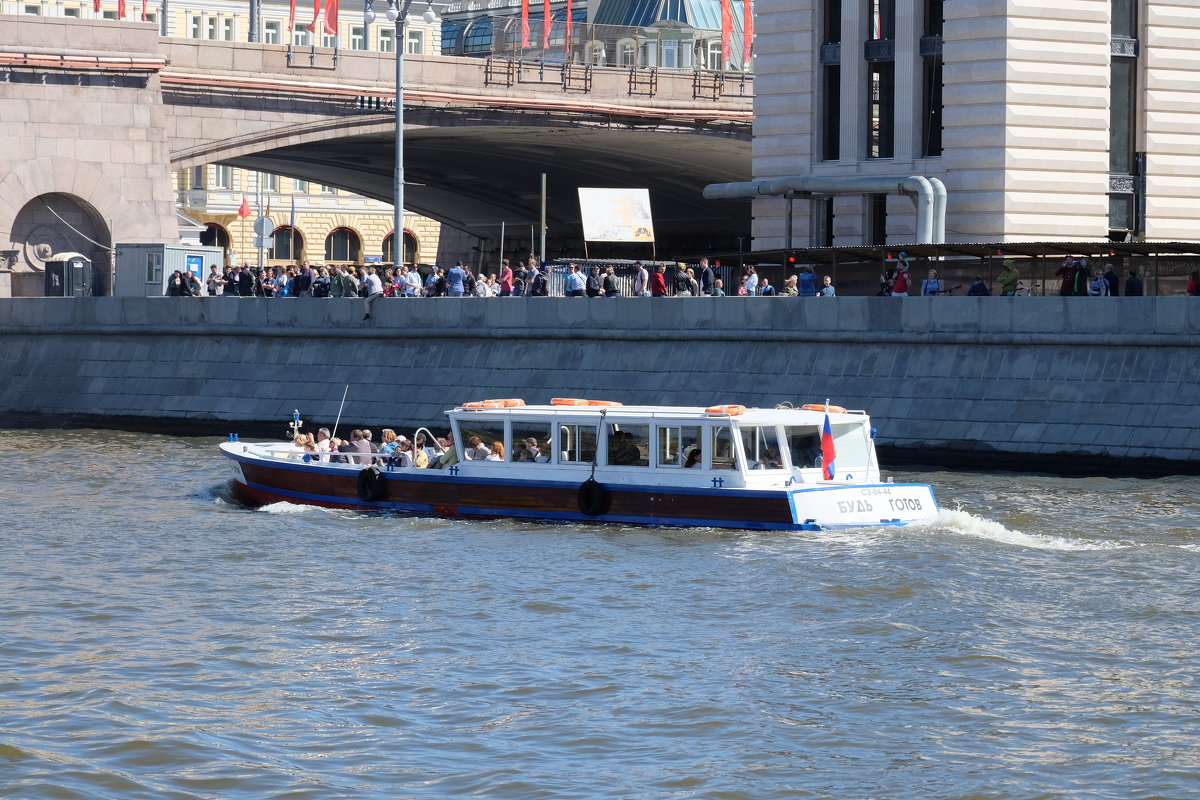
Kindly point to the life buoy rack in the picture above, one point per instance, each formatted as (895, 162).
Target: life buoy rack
(823, 407)
(370, 484)
(592, 498)
(731, 411)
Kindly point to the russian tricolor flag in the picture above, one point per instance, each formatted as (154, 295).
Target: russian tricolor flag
(828, 454)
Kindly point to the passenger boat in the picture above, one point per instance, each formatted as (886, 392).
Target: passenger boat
(576, 460)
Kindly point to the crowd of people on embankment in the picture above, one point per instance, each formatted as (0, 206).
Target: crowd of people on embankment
(1079, 277)
(525, 279)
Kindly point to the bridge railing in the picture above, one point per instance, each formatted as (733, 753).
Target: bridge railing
(501, 37)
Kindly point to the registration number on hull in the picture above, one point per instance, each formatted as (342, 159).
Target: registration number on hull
(863, 505)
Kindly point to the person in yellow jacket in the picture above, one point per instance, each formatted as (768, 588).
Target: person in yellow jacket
(1008, 278)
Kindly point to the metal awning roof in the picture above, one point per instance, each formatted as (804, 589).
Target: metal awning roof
(846, 255)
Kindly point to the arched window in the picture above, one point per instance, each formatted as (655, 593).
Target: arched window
(342, 244)
(714, 55)
(451, 37)
(410, 248)
(289, 243)
(594, 53)
(478, 38)
(626, 53)
(214, 236)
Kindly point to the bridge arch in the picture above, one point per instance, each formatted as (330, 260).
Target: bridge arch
(42, 199)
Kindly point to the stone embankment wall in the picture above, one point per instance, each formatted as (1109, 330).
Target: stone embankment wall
(1101, 385)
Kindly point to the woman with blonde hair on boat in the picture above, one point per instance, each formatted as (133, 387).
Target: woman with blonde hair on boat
(389, 442)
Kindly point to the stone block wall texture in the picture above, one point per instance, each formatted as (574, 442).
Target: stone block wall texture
(1050, 383)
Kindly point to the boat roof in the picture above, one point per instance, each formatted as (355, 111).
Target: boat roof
(741, 414)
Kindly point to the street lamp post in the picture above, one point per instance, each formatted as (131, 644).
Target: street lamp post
(397, 13)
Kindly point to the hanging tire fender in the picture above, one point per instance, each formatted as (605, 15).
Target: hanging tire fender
(370, 485)
(592, 498)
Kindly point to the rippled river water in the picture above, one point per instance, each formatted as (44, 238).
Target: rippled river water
(159, 641)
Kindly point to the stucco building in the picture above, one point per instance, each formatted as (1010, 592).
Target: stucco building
(1069, 121)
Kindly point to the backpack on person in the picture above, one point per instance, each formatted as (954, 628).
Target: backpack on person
(541, 287)
(320, 287)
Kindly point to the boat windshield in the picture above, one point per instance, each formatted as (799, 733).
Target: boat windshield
(761, 446)
(804, 443)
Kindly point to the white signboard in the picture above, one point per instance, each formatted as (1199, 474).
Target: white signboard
(616, 215)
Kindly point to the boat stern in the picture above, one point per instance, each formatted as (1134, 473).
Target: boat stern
(862, 505)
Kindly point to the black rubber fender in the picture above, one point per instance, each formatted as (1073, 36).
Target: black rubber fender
(593, 499)
(370, 484)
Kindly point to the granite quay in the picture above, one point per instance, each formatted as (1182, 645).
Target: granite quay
(1044, 384)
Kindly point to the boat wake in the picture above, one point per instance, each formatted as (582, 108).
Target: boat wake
(290, 508)
(964, 523)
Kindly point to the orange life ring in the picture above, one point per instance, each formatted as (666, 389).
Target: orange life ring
(604, 403)
(478, 404)
(823, 407)
(567, 401)
(732, 411)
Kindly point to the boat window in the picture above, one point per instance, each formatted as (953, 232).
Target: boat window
(676, 445)
(578, 443)
(489, 431)
(628, 445)
(761, 446)
(851, 443)
(721, 448)
(531, 442)
(804, 442)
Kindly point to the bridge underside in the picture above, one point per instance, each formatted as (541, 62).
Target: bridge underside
(474, 177)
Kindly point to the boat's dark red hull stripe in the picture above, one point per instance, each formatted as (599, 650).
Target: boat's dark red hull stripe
(442, 493)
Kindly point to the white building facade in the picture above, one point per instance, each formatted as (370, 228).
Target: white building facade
(1071, 121)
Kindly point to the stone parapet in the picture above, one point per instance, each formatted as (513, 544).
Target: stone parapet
(1079, 383)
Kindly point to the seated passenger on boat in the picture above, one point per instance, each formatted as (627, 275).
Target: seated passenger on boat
(476, 450)
(622, 449)
(449, 456)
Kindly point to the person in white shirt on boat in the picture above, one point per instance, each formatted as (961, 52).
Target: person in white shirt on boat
(497, 453)
(475, 450)
(323, 447)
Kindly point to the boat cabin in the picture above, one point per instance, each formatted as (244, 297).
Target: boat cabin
(680, 446)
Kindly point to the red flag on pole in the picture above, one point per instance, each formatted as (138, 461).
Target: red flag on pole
(291, 16)
(120, 9)
(316, 15)
(331, 17)
(546, 22)
(726, 30)
(244, 211)
(524, 23)
(747, 32)
(96, 6)
(567, 46)
(144, 11)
